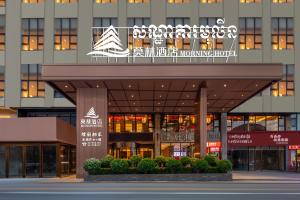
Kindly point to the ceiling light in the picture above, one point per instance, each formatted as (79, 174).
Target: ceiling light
(162, 86)
(97, 86)
(160, 96)
(158, 103)
(66, 86)
(132, 96)
(133, 103)
(182, 103)
(129, 86)
(193, 85)
(225, 85)
(256, 85)
(242, 95)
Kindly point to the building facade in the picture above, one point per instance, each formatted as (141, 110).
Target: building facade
(37, 36)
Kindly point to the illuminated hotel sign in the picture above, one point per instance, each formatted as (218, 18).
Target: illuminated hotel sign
(109, 44)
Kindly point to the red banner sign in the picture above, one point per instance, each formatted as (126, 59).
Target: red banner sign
(263, 139)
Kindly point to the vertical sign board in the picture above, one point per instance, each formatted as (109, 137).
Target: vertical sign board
(91, 125)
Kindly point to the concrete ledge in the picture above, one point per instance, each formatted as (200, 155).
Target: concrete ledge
(160, 177)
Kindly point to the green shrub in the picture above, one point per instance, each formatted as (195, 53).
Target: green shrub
(185, 161)
(146, 166)
(187, 170)
(212, 160)
(134, 161)
(200, 166)
(106, 161)
(212, 170)
(224, 166)
(92, 166)
(173, 166)
(160, 161)
(119, 166)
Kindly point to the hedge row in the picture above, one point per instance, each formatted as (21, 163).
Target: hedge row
(109, 165)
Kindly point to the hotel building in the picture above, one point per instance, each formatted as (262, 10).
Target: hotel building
(246, 109)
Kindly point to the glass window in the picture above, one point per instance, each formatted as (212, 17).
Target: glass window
(250, 1)
(272, 123)
(250, 33)
(2, 3)
(235, 123)
(32, 164)
(15, 161)
(286, 86)
(2, 161)
(210, 43)
(211, 1)
(106, 1)
(32, 1)
(49, 160)
(136, 42)
(179, 43)
(65, 1)
(32, 34)
(138, 1)
(130, 123)
(179, 1)
(283, 1)
(57, 94)
(64, 154)
(65, 34)
(32, 86)
(282, 33)
(2, 87)
(2, 32)
(102, 23)
(291, 122)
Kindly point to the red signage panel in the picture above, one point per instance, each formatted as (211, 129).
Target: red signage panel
(280, 138)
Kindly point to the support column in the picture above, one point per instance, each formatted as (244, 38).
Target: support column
(91, 126)
(224, 135)
(157, 135)
(202, 118)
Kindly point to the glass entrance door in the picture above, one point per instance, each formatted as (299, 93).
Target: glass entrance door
(15, 161)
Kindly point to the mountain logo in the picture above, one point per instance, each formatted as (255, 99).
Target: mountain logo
(91, 114)
(109, 45)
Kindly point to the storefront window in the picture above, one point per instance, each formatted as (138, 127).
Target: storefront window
(32, 165)
(65, 34)
(250, 33)
(282, 33)
(272, 123)
(179, 43)
(32, 86)
(210, 43)
(2, 161)
(49, 160)
(136, 42)
(64, 154)
(15, 161)
(2, 32)
(32, 34)
(235, 123)
(130, 123)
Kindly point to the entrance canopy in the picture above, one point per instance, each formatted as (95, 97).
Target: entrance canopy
(165, 87)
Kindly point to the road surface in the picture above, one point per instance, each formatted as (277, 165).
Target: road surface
(236, 190)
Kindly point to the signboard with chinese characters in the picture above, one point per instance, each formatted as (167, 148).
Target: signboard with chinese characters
(91, 125)
(263, 139)
(166, 41)
(183, 136)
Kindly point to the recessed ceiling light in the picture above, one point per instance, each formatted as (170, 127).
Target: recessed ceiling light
(66, 86)
(256, 85)
(132, 96)
(182, 103)
(215, 95)
(160, 96)
(97, 86)
(129, 86)
(133, 103)
(193, 85)
(196, 103)
(162, 86)
(242, 95)
(225, 85)
(158, 103)
(187, 96)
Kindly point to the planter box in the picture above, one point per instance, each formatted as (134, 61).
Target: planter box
(161, 177)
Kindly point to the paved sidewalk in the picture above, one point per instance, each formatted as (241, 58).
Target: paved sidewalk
(265, 176)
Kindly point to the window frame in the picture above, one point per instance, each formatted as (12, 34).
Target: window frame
(257, 45)
(286, 81)
(171, 42)
(277, 34)
(2, 81)
(69, 35)
(2, 32)
(218, 43)
(39, 34)
(40, 93)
